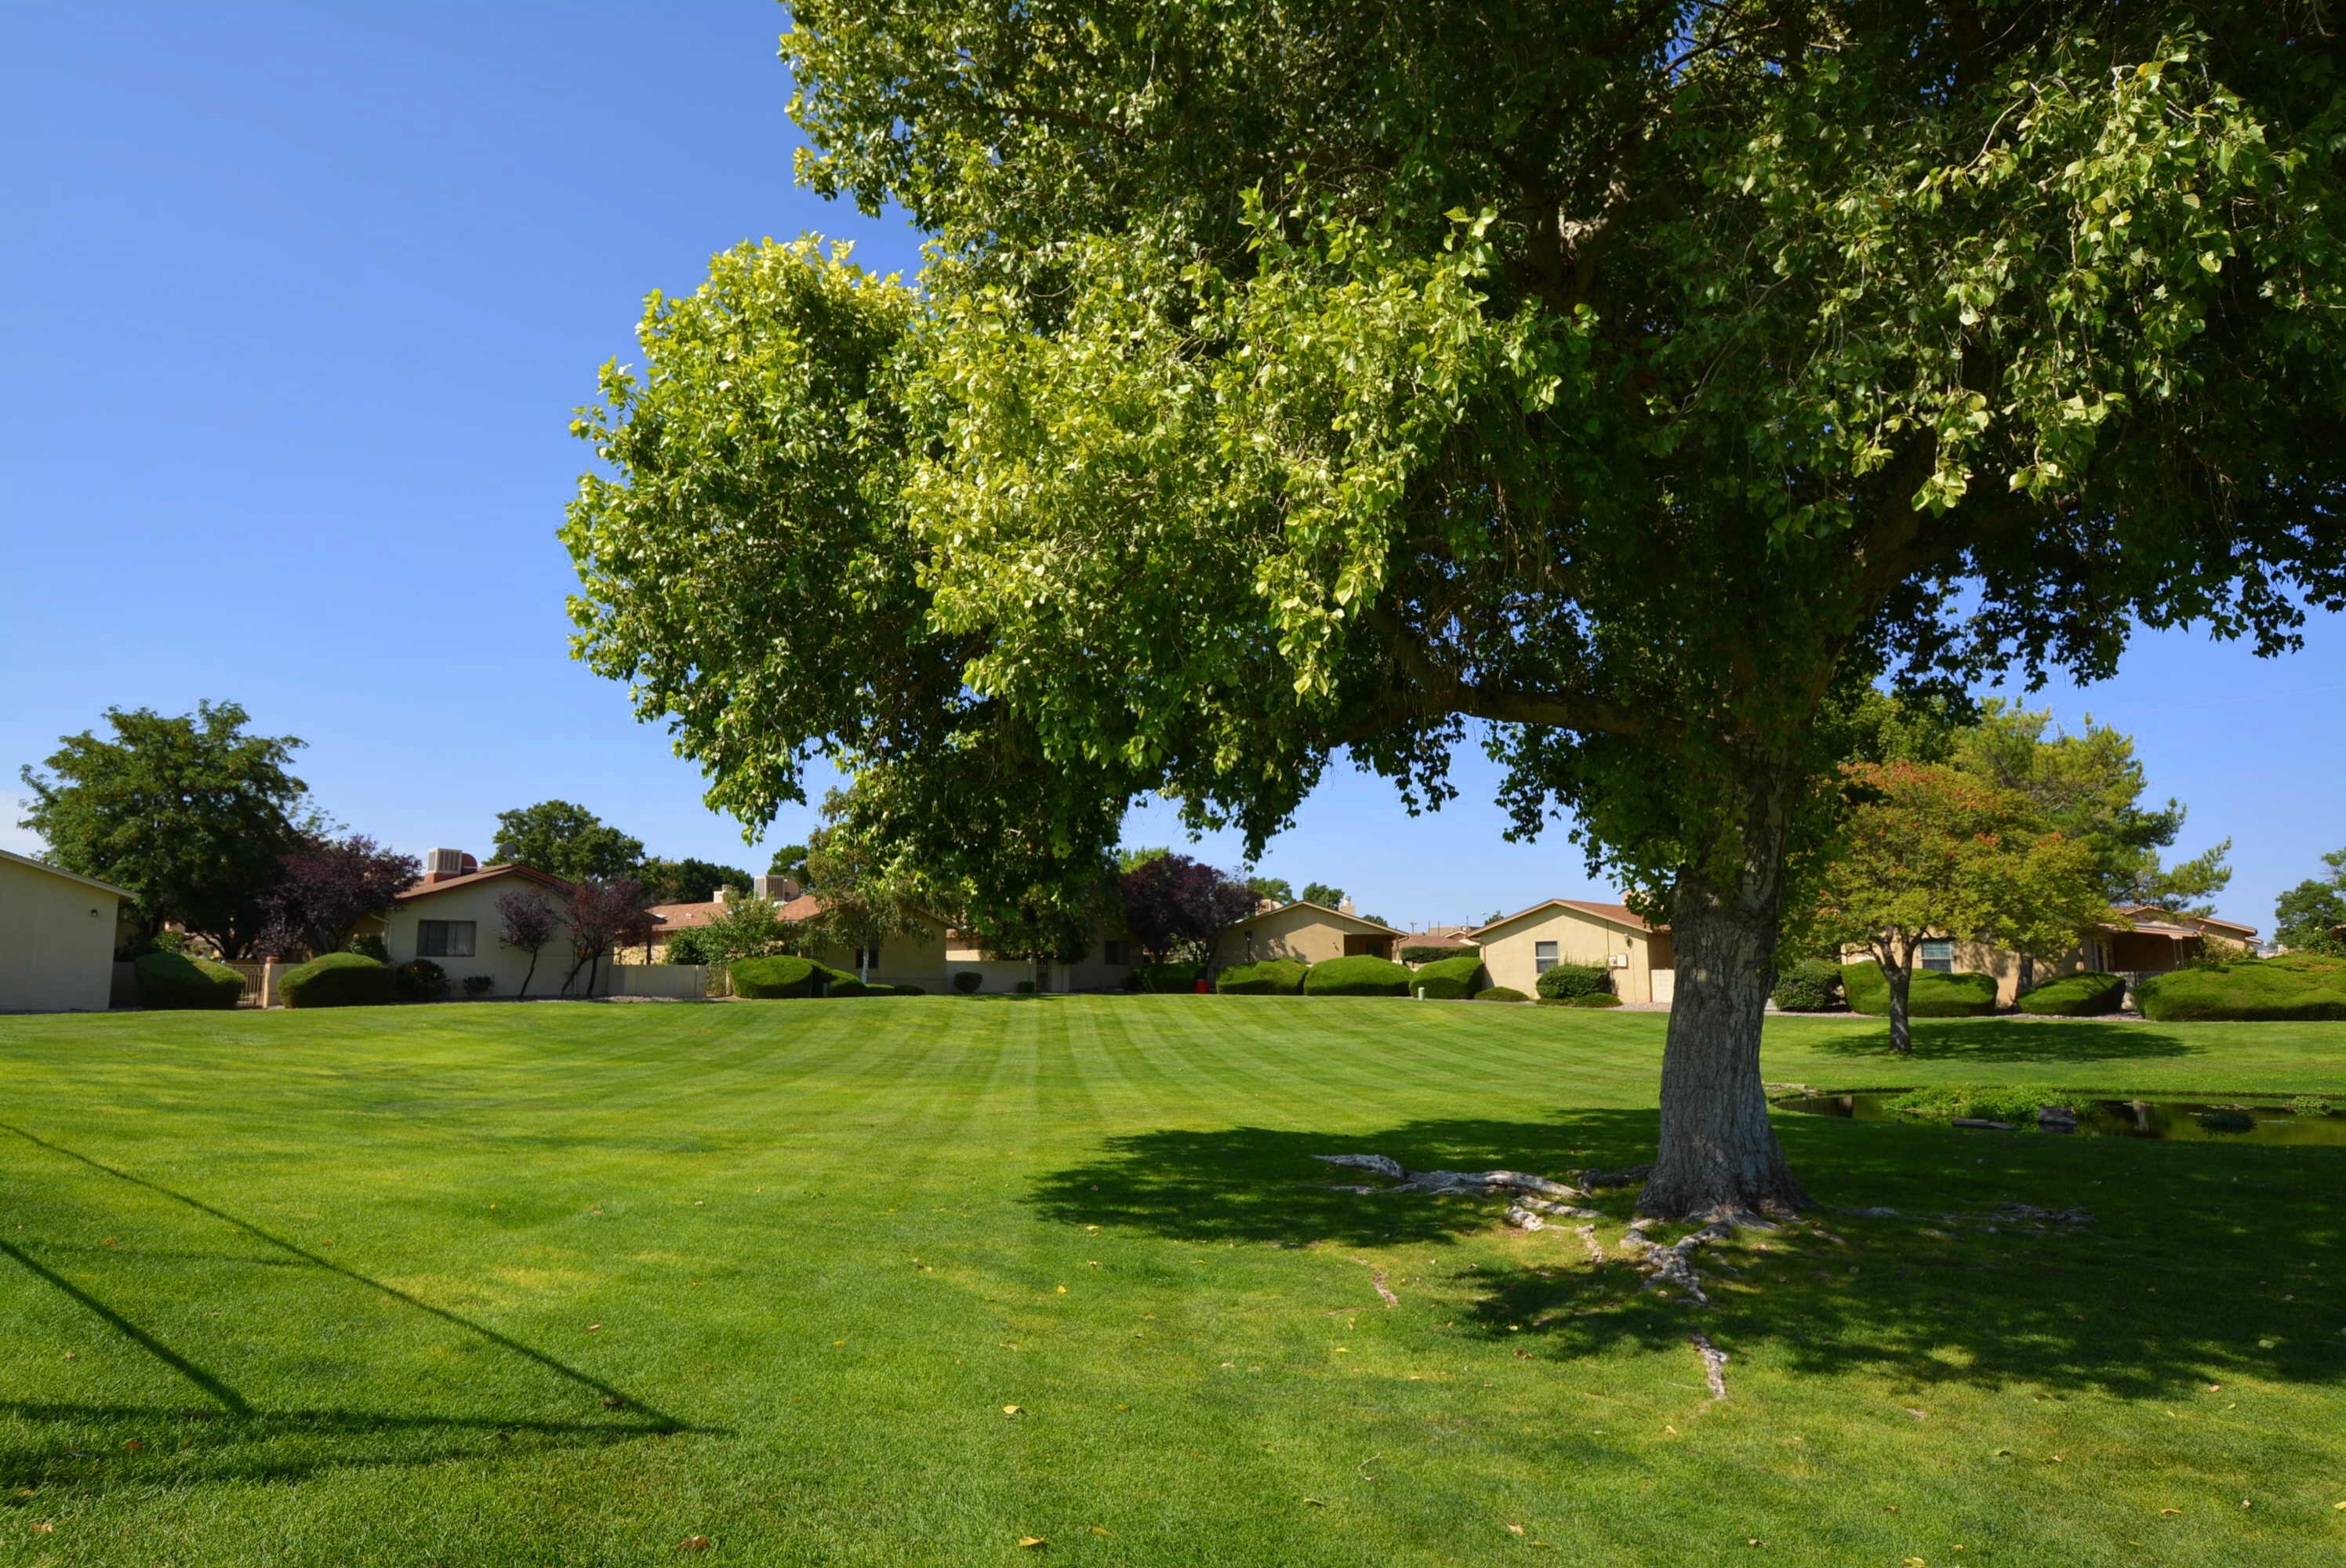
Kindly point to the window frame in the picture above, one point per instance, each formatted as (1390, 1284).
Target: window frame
(446, 932)
(1939, 962)
(1546, 955)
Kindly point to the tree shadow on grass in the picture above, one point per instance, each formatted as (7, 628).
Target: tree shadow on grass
(223, 1434)
(2180, 1277)
(2000, 1040)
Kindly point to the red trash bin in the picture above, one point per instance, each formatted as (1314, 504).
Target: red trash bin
(1202, 989)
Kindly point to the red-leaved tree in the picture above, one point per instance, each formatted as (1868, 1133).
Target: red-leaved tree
(1173, 905)
(530, 923)
(600, 915)
(327, 888)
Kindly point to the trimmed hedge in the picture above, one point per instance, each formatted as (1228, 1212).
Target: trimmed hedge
(1163, 978)
(2296, 986)
(420, 980)
(338, 980)
(1930, 994)
(1362, 974)
(178, 981)
(1421, 954)
(966, 982)
(780, 975)
(1450, 979)
(1586, 999)
(1807, 985)
(1501, 993)
(1271, 977)
(2082, 995)
(1564, 980)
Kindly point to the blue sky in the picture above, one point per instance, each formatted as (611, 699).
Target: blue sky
(305, 296)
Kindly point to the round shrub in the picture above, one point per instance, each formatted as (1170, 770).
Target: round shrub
(1807, 985)
(1565, 981)
(338, 980)
(967, 982)
(1163, 979)
(1450, 979)
(2084, 996)
(370, 946)
(905, 990)
(1501, 993)
(1360, 974)
(2295, 986)
(477, 987)
(775, 975)
(1271, 977)
(1930, 994)
(1025, 988)
(420, 980)
(177, 980)
(845, 984)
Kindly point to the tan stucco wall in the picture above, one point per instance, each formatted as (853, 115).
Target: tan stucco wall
(57, 942)
(477, 902)
(1510, 952)
(903, 959)
(1093, 972)
(1308, 935)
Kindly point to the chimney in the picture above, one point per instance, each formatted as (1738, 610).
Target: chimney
(439, 865)
(724, 895)
(1344, 906)
(781, 890)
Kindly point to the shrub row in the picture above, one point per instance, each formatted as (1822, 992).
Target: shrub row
(1808, 985)
(1271, 977)
(2083, 995)
(1450, 979)
(1930, 994)
(1360, 974)
(178, 981)
(2296, 986)
(1501, 993)
(1565, 981)
(1163, 978)
(338, 980)
(1421, 954)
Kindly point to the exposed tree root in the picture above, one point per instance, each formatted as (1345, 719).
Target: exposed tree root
(1473, 1184)
(1635, 1176)
(1714, 1364)
(1672, 1265)
(1588, 1233)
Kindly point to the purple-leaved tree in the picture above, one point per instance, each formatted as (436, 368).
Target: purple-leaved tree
(1173, 905)
(327, 888)
(530, 923)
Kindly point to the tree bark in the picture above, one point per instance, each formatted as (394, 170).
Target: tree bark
(1719, 1158)
(1902, 986)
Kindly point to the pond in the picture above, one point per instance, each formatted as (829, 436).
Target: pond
(2192, 1121)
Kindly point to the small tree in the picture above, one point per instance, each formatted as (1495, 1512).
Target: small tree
(790, 860)
(749, 928)
(530, 923)
(867, 895)
(566, 840)
(2311, 916)
(1279, 890)
(1321, 893)
(1175, 905)
(600, 915)
(327, 887)
(1931, 851)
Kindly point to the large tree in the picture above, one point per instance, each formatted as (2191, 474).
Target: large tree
(688, 880)
(1931, 851)
(2311, 916)
(1177, 907)
(566, 840)
(2089, 787)
(1615, 386)
(188, 812)
(869, 894)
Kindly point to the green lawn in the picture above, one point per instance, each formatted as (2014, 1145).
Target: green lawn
(572, 1283)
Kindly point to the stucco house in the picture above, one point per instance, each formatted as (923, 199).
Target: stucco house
(56, 938)
(1109, 953)
(917, 958)
(2153, 942)
(451, 917)
(1517, 949)
(1309, 932)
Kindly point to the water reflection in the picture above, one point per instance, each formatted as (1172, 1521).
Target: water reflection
(2188, 1121)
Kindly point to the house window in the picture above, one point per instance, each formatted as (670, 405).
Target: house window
(1939, 954)
(444, 938)
(1543, 957)
(866, 958)
(1114, 953)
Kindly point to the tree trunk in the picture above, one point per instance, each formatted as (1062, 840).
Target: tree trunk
(1719, 1158)
(523, 995)
(1902, 985)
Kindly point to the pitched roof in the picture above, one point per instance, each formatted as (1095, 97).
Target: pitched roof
(1364, 924)
(427, 889)
(2151, 918)
(61, 872)
(684, 917)
(1620, 915)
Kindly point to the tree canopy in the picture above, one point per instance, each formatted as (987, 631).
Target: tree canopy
(189, 813)
(566, 840)
(688, 880)
(326, 887)
(2311, 916)
(1615, 387)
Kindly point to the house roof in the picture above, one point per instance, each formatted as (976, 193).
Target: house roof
(1620, 915)
(11, 855)
(424, 889)
(684, 917)
(2167, 923)
(1324, 909)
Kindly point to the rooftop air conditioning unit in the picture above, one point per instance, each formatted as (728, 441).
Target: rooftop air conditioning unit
(448, 862)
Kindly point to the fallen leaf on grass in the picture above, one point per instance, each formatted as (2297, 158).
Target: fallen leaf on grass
(43, 1527)
(591, 1328)
(615, 1403)
(132, 1446)
(1013, 1412)
(2178, 1511)
(1515, 1530)
(1031, 1541)
(1098, 1531)
(695, 1543)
